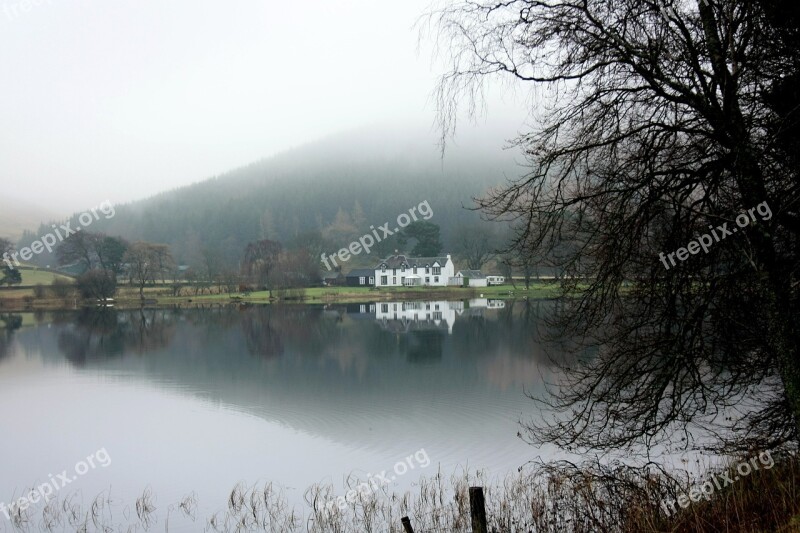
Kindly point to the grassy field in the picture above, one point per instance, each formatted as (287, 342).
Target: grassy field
(36, 276)
(339, 294)
(22, 297)
(31, 276)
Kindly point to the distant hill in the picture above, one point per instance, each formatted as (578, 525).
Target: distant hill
(16, 216)
(369, 176)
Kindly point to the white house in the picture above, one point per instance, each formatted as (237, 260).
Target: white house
(474, 277)
(402, 271)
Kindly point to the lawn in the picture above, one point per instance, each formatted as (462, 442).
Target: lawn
(323, 294)
(36, 276)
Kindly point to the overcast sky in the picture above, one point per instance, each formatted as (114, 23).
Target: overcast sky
(121, 99)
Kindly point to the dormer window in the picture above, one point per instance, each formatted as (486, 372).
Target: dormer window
(383, 267)
(415, 269)
(427, 269)
(437, 270)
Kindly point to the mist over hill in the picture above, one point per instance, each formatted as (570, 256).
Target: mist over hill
(17, 215)
(359, 178)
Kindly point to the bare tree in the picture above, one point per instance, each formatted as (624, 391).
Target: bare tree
(80, 247)
(260, 259)
(164, 259)
(475, 245)
(144, 261)
(665, 120)
(96, 283)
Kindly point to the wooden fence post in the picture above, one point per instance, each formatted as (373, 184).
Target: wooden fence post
(407, 524)
(477, 507)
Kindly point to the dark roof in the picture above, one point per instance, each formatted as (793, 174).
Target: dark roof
(471, 273)
(361, 272)
(396, 261)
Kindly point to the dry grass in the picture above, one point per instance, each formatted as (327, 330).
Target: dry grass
(555, 497)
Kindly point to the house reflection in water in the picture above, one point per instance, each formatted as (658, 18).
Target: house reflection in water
(426, 315)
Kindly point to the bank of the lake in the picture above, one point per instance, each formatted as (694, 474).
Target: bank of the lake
(24, 298)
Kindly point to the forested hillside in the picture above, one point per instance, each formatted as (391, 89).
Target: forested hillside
(329, 191)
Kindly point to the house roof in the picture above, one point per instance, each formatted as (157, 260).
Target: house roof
(396, 261)
(470, 274)
(361, 272)
(331, 275)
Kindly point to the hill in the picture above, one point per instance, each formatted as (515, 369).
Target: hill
(357, 179)
(16, 216)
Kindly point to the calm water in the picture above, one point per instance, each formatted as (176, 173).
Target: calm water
(197, 400)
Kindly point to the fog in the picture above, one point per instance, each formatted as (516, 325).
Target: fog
(120, 100)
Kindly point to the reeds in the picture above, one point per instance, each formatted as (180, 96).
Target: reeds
(547, 497)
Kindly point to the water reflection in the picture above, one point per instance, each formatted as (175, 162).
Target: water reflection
(295, 394)
(8, 324)
(380, 375)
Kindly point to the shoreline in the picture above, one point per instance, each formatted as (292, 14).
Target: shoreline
(155, 297)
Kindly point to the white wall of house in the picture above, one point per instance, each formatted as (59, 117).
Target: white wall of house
(435, 275)
(458, 280)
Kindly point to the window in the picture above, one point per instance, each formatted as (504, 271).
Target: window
(394, 306)
(437, 270)
(362, 309)
(384, 308)
(437, 315)
(372, 280)
(427, 279)
(427, 269)
(403, 267)
(415, 269)
(394, 280)
(361, 280)
(403, 280)
(383, 268)
(428, 307)
(384, 280)
(436, 279)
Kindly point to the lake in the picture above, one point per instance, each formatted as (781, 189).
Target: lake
(194, 401)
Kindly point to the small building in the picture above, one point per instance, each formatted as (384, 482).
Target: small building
(360, 277)
(469, 278)
(495, 280)
(332, 279)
